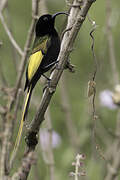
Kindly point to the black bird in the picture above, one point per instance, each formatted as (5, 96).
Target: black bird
(43, 56)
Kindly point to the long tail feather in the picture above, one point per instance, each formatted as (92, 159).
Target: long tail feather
(24, 114)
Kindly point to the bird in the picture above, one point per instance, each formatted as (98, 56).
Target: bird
(43, 56)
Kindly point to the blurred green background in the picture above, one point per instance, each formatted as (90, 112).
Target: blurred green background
(76, 84)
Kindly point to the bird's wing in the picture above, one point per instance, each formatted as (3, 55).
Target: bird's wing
(39, 49)
(41, 43)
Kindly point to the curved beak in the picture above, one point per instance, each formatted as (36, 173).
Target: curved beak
(58, 13)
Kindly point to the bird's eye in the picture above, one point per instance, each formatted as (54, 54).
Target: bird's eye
(45, 19)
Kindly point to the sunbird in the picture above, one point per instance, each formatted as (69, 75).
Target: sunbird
(43, 56)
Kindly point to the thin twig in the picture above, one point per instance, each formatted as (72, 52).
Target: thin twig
(4, 151)
(12, 40)
(2, 76)
(92, 84)
(92, 47)
(92, 89)
(15, 55)
(24, 57)
(26, 50)
(115, 74)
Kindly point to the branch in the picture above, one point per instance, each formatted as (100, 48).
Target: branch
(114, 166)
(12, 40)
(8, 117)
(4, 150)
(23, 171)
(3, 4)
(75, 21)
(48, 152)
(24, 57)
(15, 55)
(43, 7)
(111, 48)
(2, 76)
(26, 50)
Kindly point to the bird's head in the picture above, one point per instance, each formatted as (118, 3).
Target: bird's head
(45, 24)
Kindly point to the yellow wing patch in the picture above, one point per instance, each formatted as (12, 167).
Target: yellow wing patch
(34, 62)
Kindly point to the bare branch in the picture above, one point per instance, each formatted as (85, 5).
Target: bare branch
(9, 118)
(43, 7)
(4, 151)
(15, 55)
(26, 50)
(24, 57)
(12, 40)
(3, 4)
(23, 171)
(111, 44)
(2, 76)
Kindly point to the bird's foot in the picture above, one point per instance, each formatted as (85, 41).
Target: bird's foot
(56, 66)
(50, 87)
